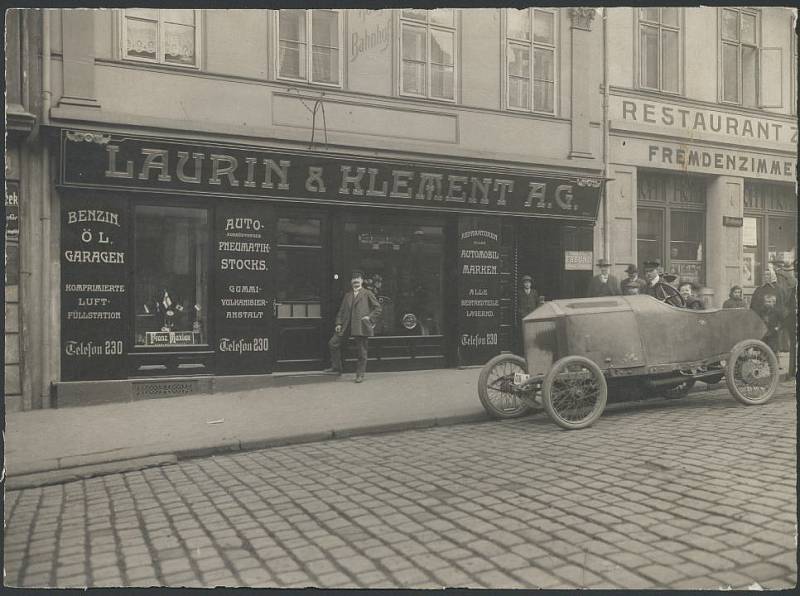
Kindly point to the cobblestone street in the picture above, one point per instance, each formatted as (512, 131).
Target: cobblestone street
(694, 493)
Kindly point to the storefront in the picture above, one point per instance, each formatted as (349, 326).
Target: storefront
(187, 258)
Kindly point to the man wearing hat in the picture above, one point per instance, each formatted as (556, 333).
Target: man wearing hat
(528, 298)
(603, 284)
(357, 316)
(633, 284)
(658, 288)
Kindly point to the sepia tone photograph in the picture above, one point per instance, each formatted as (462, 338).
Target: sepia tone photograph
(401, 296)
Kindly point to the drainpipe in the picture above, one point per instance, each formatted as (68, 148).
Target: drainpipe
(46, 335)
(606, 223)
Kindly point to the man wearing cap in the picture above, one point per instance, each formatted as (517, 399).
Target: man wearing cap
(357, 316)
(633, 284)
(528, 298)
(603, 284)
(657, 288)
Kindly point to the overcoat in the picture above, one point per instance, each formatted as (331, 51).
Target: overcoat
(353, 310)
(598, 288)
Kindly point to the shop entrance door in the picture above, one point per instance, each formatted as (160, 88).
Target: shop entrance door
(301, 262)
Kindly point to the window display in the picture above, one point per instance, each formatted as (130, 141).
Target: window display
(403, 268)
(171, 275)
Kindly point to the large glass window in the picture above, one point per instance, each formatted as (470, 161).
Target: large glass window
(299, 268)
(162, 36)
(171, 276)
(310, 46)
(659, 49)
(739, 32)
(751, 254)
(671, 223)
(428, 49)
(403, 268)
(531, 59)
(782, 239)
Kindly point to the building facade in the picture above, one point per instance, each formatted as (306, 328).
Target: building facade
(211, 178)
(702, 116)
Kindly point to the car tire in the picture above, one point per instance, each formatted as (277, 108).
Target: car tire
(559, 392)
(494, 374)
(752, 372)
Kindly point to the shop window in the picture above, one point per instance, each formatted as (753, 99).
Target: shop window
(751, 253)
(659, 49)
(299, 268)
(310, 46)
(403, 266)
(650, 235)
(782, 236)
(531, 59)
(161, 36)
(671, 223)
(428, 53)
(741, 55)
(171, 276)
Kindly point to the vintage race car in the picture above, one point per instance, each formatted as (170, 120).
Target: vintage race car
(579, 351)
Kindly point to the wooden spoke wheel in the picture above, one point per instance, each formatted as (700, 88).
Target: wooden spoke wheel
(574, 392)
(495, 387)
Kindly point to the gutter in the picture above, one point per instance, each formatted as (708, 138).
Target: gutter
(45, 218)
(606, 223)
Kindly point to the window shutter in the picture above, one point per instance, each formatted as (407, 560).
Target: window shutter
(771, 69)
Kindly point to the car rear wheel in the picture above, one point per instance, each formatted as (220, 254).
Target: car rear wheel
(574, 392)
(495, 383)
(752, 372)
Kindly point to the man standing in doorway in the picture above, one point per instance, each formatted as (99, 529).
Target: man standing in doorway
(528, 297)
(357, 317)
(603, 284)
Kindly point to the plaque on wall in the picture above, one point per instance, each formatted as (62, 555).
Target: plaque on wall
(245, 296)
(479, 289)
(94, 292)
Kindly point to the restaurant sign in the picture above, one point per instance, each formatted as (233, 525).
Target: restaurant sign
(102, 160)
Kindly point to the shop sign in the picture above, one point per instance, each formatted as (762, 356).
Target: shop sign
(578, 260)
(243, 238)
(94, 291)
(112, 161)
(12, 234)
(696, 123)
(479, 289)
(689, 158)
(770, 197)
(732, 222)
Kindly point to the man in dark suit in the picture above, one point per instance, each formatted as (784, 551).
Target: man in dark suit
(657, 287)
(633, 284)
(357, 317)
(603, 284)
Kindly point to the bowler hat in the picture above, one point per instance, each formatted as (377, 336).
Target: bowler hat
(357, 273)
(669, 277)
(603, 263)
(526, 278)
(651, 265)
(632, 269)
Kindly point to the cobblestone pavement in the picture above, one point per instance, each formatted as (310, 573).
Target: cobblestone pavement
(695, 493)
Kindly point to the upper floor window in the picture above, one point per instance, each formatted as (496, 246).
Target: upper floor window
(309, 46)
(427, 50)
(531, 59)
(739, 32)
(659, 49)
(161, 36)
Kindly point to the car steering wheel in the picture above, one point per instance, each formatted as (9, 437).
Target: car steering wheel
(672, 296)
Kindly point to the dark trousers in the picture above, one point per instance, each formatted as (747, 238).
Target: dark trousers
(335, 345)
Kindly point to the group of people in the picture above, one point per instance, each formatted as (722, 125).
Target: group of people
(658, 285)
(775, 300)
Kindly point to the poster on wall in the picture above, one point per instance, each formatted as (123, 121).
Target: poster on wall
(245, 296)
(12, 234)
(479, 289)
(94, 291)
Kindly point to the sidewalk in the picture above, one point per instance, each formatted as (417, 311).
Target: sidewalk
(56, 445)
(63, 442)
